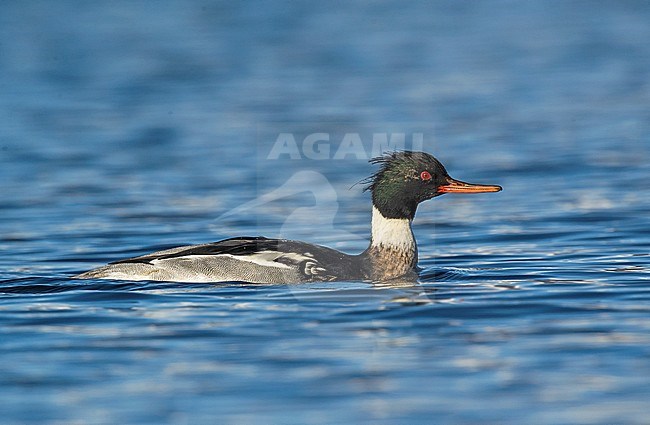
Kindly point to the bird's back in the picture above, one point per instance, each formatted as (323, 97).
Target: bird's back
(248, 259)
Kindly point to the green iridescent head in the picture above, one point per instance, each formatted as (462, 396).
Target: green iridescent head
(406, 178)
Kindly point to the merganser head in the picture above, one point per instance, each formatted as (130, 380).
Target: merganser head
(406, 178)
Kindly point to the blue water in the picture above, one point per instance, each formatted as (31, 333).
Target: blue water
(134, 126)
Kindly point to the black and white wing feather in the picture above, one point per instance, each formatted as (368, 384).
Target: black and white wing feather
(250, 259)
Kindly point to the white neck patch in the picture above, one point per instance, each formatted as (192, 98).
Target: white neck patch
(391, 232)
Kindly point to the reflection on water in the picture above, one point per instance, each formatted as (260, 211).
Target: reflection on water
(129, 128)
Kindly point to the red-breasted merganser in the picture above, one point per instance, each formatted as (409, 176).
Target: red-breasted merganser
(403, 180)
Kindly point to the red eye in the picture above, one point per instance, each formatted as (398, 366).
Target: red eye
(425, 175)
